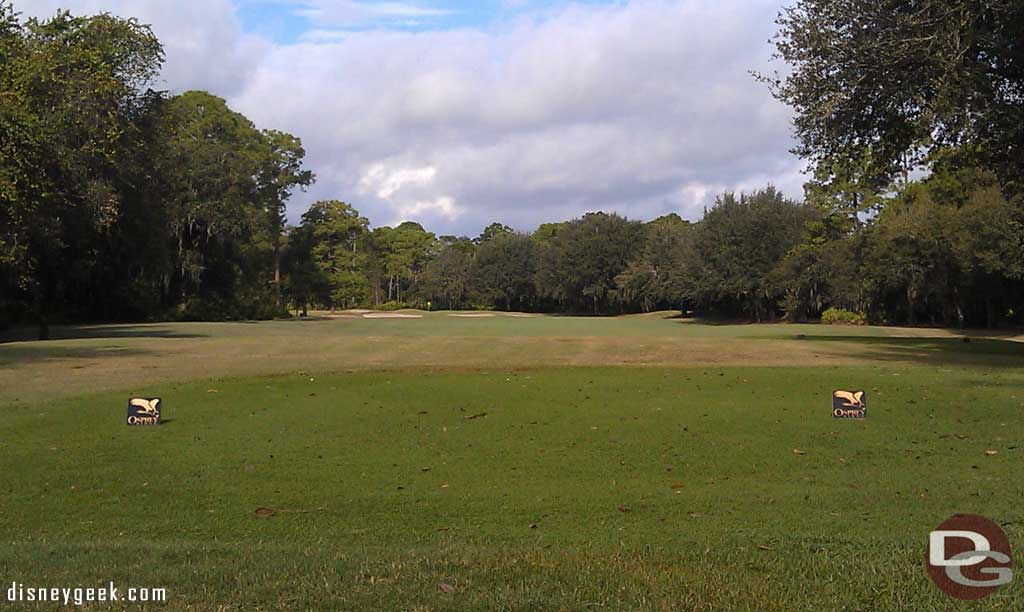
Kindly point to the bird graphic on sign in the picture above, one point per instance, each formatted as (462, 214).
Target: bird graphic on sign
(146, 407)
(852, 399)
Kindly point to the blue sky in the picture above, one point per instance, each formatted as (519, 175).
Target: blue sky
(285, 21)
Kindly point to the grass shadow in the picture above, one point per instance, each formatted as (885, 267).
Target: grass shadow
(992, 352)
(43, 351)
(91, 332)
(714, 321)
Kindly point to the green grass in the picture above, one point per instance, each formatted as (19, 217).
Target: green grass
(546, 487)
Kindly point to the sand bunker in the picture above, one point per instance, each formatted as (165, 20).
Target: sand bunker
(472, 314)
(518, 314)
(391, 315)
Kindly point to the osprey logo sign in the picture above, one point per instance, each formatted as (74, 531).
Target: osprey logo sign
(969, 557)
(849, 405)
(144, 411)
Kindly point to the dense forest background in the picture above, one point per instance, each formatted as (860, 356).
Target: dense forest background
(121, 203)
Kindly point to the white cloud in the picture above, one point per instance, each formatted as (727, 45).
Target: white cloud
(385, 182)
(203, 42)
(644, 108)
(443, 206)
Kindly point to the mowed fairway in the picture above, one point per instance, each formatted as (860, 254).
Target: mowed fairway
(506, 463)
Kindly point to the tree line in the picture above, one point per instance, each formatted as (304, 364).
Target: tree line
(122, 203)
(948, 250)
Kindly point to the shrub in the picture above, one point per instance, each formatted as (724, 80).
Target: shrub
(841, 316)
(216, 307)
(393, 305)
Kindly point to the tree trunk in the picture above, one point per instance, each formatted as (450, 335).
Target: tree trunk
(958, 307)
(990, 313)
(277, 272)
(43, 296)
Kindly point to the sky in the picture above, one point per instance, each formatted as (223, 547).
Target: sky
(458, 113)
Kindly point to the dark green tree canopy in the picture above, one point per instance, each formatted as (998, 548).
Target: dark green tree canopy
(580, 261)
(74, 92)
(503, 270)
(737, 244)
(878, 86)
(492, 231)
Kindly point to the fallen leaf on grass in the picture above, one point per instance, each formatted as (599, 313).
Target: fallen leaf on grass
(447, 588)
(797, 451)
(624, 509)
(269, 512)
(211, 391)
(677, 485)
(991, 452)
(476, 416)
(763, 547)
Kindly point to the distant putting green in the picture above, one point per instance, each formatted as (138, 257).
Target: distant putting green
(505, 462)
